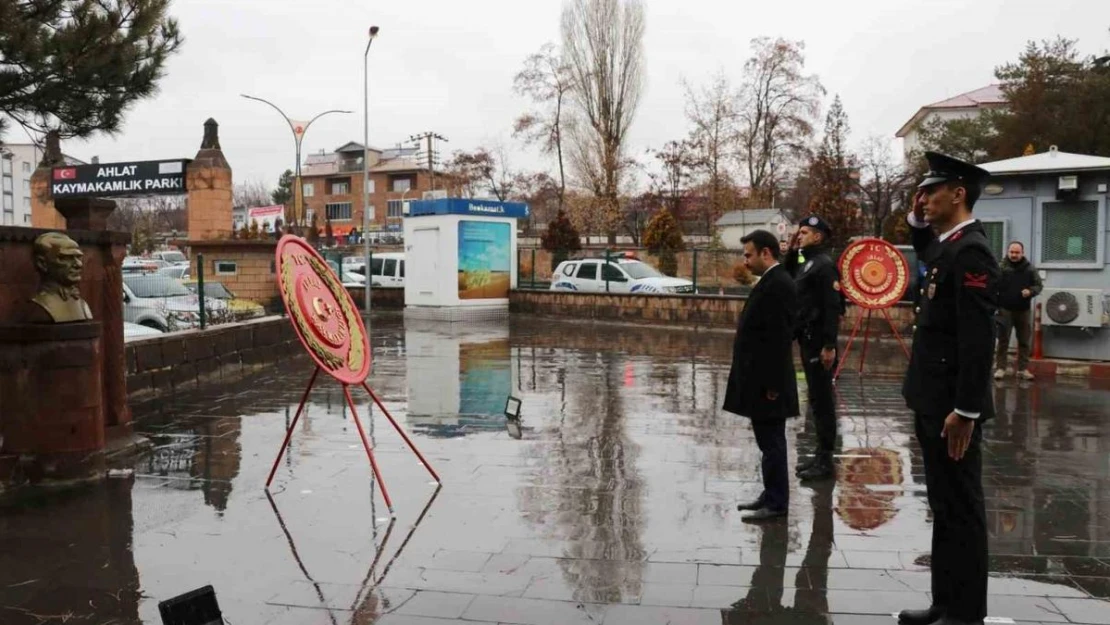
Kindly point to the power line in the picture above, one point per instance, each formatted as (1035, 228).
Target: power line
(430, 140)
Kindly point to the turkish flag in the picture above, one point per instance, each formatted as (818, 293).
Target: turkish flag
(65, 173)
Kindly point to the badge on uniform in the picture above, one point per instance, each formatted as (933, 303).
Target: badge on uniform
(836, 285)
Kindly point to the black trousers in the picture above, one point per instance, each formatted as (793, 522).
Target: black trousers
(770, 436)
(819, 385)
(959, 558)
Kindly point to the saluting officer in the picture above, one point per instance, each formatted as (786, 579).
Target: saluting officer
(819, 309)
(948, 384)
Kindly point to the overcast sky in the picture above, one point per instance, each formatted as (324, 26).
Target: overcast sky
(448, 65)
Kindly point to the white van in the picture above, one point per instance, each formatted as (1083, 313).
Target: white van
(387, 270)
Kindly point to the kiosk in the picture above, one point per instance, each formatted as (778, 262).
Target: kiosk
(461, 258)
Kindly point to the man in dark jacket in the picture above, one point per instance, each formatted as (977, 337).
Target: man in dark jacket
(1019, 284)
(762, 385)
(819, 308)
(948, 385)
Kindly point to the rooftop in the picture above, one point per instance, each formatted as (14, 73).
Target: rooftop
(1051, 161)
(751, 216)
(990, 96)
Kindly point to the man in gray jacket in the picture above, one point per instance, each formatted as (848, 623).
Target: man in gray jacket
(1019, 284)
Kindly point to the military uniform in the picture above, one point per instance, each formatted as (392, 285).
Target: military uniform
(950, 371)
(819, 310)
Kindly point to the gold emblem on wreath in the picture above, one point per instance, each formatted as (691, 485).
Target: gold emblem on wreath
(356, 355)
(882, 292)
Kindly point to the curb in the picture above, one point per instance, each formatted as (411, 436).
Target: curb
(1097, 374)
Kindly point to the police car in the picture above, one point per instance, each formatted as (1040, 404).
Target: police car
(625, 274)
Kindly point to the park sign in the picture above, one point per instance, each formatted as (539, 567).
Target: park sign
(119, 179)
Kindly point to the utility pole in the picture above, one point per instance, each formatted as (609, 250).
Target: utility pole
(429, 139)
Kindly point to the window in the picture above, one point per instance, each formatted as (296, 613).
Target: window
(401, 274)
(339, 187)
(27, 203)
(9, 218)
(996, 236)
(156, 286)
(370, 186)
(587, 271)
(308, 189)
(273, 266)
(390, 267)
(7, 164)
(26, 167)
(26, 219)
(7, 183)
(26, 187)
(226, 268)
(1071, 232)
(8, 203)
(394, 208)
(400, 185)
(340, 211)
(569, 269)
(375, 266)
(609, 272)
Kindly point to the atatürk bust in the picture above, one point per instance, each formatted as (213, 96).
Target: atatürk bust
(58, 261)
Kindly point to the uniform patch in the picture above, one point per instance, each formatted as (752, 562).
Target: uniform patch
(975, 280)
(956, 237)
(813, 221)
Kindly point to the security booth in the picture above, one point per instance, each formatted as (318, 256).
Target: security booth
(460, 255)
(1055, 204)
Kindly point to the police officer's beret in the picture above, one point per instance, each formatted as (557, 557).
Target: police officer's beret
(944, 168)
(815, 222)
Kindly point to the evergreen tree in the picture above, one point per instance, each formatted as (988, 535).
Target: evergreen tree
(561, 238)
(75, 66)
(833, 176)
(663, 238)
(283, 194)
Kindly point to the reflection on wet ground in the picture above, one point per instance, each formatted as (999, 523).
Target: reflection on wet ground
(617, 505)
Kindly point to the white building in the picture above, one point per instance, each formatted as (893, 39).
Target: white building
(739, 223)
(963, 106)
(17, 163)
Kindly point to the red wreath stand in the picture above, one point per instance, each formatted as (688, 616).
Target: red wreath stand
(874, 275)
(332, 332)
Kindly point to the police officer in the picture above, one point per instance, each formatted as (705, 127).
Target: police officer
(819, 310)
(948, 384)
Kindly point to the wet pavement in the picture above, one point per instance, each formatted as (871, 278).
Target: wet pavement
(616, 504)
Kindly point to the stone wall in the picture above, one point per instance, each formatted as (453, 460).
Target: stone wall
(695, 310)
(180, 361)
(381, 298)
(721, 268)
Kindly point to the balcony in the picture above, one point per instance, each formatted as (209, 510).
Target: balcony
(350, 165)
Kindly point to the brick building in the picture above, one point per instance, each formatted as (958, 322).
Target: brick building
(332, 185)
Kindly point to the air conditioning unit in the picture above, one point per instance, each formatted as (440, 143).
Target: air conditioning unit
(438, 194)
(1080, 308)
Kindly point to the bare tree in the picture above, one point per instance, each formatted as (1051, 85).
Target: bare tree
(547, 80)
(713, 141)
(603, 49)
(884, 182)
(777, 111)
(251, 193)
(481, 170)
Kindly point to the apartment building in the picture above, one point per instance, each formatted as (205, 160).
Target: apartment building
(17, 163)
(332, 186)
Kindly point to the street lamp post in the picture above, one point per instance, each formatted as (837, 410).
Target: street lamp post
(366, 208)
(299, 129)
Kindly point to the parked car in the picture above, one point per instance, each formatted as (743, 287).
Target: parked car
(132, 331)
(164, 303)
(239, 309)
(138, 264)
(625, 275)
(180, 272)
(172, 257)
(387, 269)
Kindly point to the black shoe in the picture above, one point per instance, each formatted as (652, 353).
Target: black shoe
(920, 617)
(819, 471)
(947, 620)
(763, 514)
(750, 505)
(805, 465)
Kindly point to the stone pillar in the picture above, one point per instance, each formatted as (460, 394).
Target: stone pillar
(208, 183)
(43, 213)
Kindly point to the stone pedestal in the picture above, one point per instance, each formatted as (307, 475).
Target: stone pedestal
(51, 410)
(208, 182)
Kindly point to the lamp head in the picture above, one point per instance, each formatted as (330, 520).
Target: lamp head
(373, 31)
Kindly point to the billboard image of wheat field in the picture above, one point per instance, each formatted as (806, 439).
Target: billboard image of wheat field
(484, 260)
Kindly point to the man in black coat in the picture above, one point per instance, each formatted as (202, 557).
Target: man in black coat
(1019, 284)
(819, 308)
(948, 384)
(762, 385)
